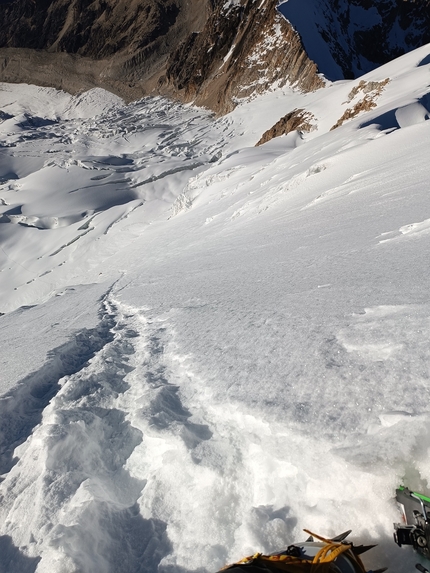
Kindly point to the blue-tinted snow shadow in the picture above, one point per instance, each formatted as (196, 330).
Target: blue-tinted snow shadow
(166, 407)
(312, 37)
(388, 121)
(121, 541)
(31, 122)
(21, 408)
(385, 121)
(4, 217)
(12, 560)
(9, 176)
(133, 544)
(425, 101)
(3, 114)
(111, 160)
(425, 61)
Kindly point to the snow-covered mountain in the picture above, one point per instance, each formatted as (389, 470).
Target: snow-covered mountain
(207, 346)
(207, 51)
(213, 330)
(210, 51)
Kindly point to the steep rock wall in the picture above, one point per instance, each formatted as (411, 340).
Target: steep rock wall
(212, 51)
(118, 44)
(245, 47)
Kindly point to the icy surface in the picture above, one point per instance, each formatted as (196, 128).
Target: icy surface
(208, 346)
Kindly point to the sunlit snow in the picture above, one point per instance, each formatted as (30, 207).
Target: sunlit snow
(208, 346)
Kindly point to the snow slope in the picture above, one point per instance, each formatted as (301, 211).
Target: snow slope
(208, 346)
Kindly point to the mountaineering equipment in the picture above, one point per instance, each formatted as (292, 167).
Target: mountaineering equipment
(415, 530)
(322, 556)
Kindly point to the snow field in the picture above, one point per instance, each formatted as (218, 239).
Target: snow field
(117, 430)
(207, 346)
(79, 192)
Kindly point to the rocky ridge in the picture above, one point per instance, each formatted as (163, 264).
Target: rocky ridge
(364, 96)
(211, 52)
(75, 45)
(245, 47)
(296, 120)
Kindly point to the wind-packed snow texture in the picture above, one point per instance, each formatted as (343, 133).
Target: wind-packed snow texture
(207, 346)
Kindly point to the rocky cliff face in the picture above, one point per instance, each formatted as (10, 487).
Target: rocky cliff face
(347, 38)
(96, 29)
(211, 52)
(208, 51)
(246, 46)
(118, 44)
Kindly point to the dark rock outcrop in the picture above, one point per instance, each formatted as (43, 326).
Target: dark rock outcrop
(95, 29)
(245, 47)
(120, 45)
(364, 97)
(296, 120)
